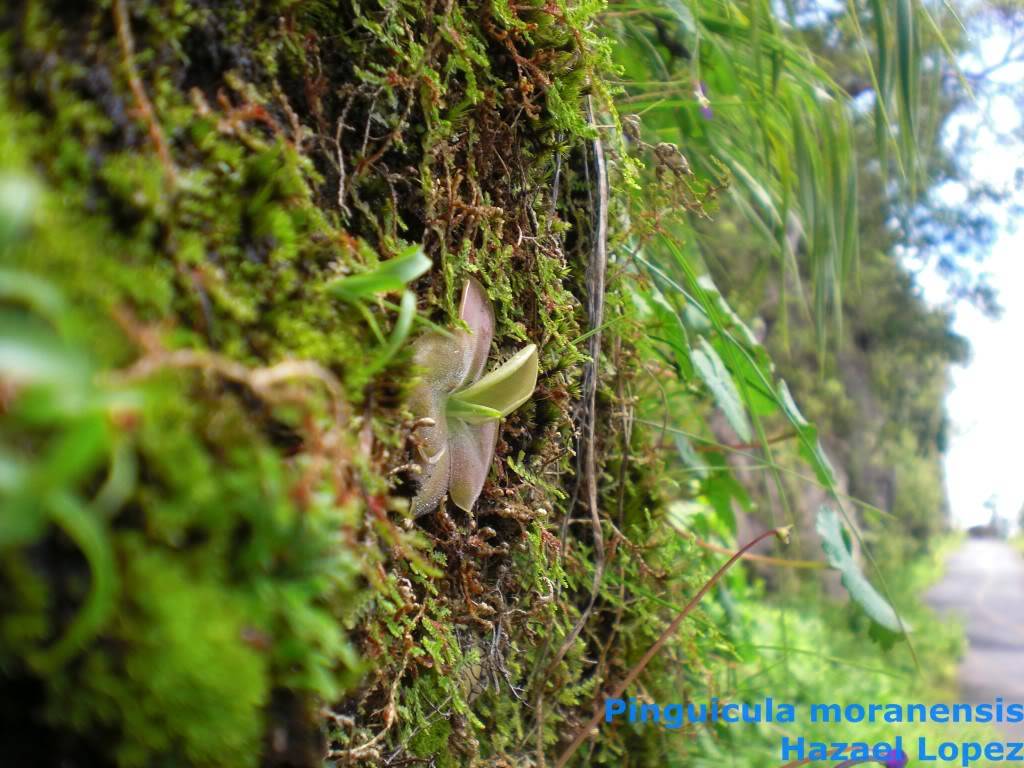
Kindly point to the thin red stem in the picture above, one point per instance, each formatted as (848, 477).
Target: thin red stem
(656, 646)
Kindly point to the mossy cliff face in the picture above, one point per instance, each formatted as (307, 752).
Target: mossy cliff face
(206, 556)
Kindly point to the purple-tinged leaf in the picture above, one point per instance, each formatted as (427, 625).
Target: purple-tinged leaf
(443, 360)
(472, 449)
(475, 310)
(434, 481)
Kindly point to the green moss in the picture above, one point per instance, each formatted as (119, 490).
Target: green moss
(186, 683)
(252, 538)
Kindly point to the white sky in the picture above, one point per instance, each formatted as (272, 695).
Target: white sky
(986, 449)
(986, 406)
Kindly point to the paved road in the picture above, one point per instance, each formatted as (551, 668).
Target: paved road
(984, 583)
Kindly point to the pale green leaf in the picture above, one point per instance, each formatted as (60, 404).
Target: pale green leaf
(506, 387)
(835, 545)
(716, 376)
(80, 524)
(472, 450)
(471, 413)
(19, 196)
(406, 314)
(31, 353)
(389, 276)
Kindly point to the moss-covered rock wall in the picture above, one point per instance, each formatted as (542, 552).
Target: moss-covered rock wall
(206, 551)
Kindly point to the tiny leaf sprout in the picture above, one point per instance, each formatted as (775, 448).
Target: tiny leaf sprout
(388, 277)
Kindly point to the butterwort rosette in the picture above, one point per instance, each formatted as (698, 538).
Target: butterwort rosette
(460, 407)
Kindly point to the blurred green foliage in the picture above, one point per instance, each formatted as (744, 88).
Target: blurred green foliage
(162, 588)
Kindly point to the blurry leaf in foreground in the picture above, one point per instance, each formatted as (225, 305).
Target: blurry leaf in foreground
(32, 291)
(31, 353)
(18, 197)
(836, 546)
(406, 313)
(694, 462)
(722, 489)
(82, 526)
(717, 378)
(811, 448)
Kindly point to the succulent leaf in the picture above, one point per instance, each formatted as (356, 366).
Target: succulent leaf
(472, 449)
(475, 310)
(506, 387)
(471, 413)
(434, 481)
(443, 361)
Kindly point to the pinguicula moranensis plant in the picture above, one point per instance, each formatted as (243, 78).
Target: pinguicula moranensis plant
(459, 408)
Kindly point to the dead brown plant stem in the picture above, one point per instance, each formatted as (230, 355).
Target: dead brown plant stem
(584, 733)
(755, 558)
(595, 278)
(390, 710)
(142, 102)
(259, 380)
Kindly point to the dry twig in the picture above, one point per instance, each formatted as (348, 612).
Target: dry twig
(142, 102)
(584, 733)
